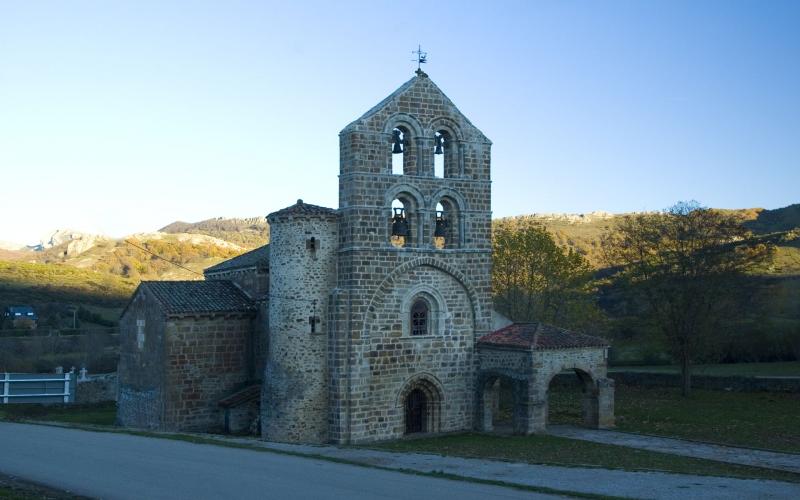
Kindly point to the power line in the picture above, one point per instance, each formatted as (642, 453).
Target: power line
(162, 258)
(313, 301)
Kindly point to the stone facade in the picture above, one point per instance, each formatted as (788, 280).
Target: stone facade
(530, 358)
(175, 365)
(371, 321)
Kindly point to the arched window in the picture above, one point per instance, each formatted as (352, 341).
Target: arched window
(398, 150)
(423, 311)
(420, 317)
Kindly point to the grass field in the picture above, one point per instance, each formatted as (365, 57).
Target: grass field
(777, 369)
(95, 414)
(750, 419)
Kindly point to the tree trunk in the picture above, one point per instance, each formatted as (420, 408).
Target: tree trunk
(686, 375)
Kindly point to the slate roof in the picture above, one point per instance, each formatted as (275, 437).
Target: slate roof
(302, 208)
(238, 398)
(539, 337)
(254, 258)
(198, 297)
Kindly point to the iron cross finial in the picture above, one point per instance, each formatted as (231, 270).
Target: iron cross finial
(422, 57)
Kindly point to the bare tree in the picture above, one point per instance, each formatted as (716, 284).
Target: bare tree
(685, 263)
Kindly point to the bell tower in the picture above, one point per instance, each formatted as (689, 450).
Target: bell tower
(414, 234)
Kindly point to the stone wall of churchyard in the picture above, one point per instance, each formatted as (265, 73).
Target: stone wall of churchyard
(295, 389)
(96, 388)
(141, 369)
(713, 383)
(206, 359)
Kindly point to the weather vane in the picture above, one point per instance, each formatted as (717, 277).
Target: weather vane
(422, 57)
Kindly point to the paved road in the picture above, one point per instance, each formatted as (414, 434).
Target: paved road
(744, 456)
(120, 466)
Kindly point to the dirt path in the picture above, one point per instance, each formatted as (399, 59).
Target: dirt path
(742, 456)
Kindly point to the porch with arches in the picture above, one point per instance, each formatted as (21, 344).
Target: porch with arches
(518, 363)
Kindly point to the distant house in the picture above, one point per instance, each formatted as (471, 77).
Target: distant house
(20, 317)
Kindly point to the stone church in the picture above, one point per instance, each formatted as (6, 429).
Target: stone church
(362, 323)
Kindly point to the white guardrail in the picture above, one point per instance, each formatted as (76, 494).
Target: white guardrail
(37, 388)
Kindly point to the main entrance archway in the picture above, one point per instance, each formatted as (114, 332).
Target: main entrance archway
(421, 401)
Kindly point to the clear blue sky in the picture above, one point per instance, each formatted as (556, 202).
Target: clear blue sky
(118, 117)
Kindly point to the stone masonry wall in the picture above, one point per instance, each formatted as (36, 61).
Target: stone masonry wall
(389, 357)
(372, 274)
(295, 388)
(141, 370)
(207, 358)
(254, 281)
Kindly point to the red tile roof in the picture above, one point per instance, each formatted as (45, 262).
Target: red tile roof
(198, 297)
(539, 336)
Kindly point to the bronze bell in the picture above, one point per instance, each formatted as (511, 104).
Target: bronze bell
(399, 223)
(439, 141)
(397, 142)
(441, 225)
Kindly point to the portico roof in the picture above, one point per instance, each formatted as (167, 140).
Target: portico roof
(539, 336)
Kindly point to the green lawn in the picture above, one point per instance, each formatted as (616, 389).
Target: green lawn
(96, 414)
(543, 449)
(777, 369)
(751, 419)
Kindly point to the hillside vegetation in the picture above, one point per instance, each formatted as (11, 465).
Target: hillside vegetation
(248, 233)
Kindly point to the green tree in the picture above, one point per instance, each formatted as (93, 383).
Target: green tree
(685, 263)
(533, 279)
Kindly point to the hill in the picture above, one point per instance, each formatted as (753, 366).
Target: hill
(582, 232)
(248, 233)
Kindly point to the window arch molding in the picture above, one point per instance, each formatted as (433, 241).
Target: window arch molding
(437, 310)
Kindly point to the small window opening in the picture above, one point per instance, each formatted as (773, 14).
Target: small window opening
(312, 244)
(401, 230)
(439, 146)
(140, 334)
(398, 150)
(313, 320)
(419, 318)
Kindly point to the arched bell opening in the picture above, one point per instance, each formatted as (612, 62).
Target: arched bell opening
(404, 155)
(402, 223)
(399, 137)
(445, 157)
(446, 225)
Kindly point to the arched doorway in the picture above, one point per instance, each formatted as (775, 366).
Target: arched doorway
(572, 399)
(421, 404)
(416, 412)
(503, 401)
